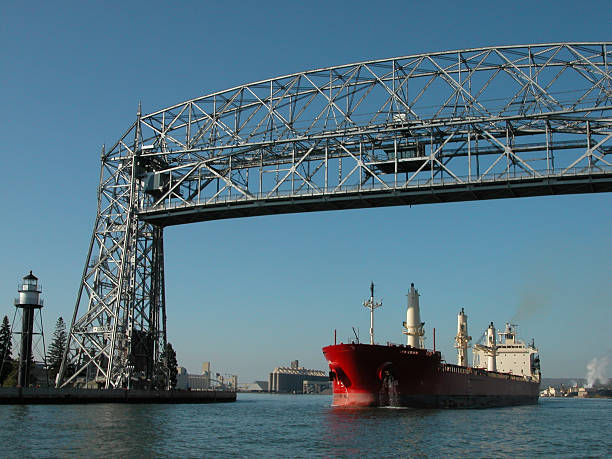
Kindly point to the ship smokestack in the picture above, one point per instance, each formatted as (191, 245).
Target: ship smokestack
(492, 348)
(462, 339)
(413, 325)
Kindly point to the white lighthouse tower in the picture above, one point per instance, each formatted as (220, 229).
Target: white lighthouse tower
(413, 327)
(29, 301)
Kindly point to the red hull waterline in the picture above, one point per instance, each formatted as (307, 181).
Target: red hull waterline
(395, 375)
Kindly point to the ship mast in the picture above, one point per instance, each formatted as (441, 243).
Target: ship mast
(462, 340)
(371, 304)
(413, 327)
(489, 349)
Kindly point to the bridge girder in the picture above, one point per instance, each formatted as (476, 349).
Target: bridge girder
(484, 123)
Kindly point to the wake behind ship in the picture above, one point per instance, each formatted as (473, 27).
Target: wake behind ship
(502, 374)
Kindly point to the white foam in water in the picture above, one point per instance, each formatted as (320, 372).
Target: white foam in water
(388, 393)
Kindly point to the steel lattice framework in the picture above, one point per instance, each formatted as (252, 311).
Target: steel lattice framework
(472, 124)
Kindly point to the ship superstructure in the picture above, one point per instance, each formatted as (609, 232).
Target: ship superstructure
(504, 373)
(512, 355)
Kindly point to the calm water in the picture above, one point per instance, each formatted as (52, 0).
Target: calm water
(261, 425)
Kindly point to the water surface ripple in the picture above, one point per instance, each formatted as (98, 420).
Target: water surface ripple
(263, 425)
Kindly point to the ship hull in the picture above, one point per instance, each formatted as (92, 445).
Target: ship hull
(375, 375)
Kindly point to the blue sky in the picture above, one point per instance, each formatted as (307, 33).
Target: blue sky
(255, 293)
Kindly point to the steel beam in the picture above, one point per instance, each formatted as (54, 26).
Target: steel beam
(463, 125)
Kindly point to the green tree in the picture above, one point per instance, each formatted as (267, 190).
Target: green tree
(11, 378)
(168, 367)
(56, 349)
(32, 379)
(10, 367)
(6, 350)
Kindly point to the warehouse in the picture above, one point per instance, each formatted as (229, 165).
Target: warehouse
(291, 379)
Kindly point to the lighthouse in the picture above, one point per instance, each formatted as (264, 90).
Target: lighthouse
(29, 301)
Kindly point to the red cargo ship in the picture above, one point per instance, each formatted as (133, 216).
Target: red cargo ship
(504, 373)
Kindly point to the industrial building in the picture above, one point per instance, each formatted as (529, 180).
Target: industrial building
(202, 381)
(291, 379)
(205, 381)
(185, 380)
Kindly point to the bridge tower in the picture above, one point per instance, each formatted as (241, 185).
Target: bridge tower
(121, 333)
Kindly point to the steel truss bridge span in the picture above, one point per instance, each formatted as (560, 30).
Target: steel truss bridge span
(471, 124)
